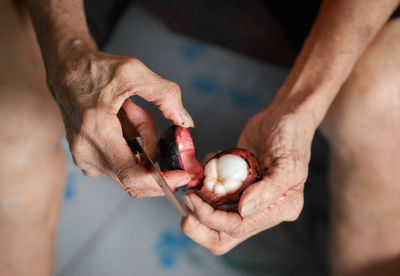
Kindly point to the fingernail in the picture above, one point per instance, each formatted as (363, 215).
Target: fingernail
(249, 208)
(187, 121)
(188, 203)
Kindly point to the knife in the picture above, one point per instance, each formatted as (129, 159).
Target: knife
(135, 143)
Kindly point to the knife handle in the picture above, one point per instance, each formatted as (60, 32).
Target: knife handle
(135, 145)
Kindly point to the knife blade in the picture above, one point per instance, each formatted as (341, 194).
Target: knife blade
(136, 146)
(135, 143)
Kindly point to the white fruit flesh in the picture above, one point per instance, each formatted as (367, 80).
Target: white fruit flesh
(226, 174)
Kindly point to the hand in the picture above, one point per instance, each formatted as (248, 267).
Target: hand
(90, 87)
(281, 141)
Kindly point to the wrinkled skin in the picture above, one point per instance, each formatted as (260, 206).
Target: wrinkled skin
(281, 141)
(90, 88)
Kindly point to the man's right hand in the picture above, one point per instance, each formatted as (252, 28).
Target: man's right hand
(90, 87)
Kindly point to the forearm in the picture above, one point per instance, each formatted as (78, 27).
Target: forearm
(59, 24)
(341, 32)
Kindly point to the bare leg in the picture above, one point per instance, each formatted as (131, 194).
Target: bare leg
(32, 166)
(363, 128)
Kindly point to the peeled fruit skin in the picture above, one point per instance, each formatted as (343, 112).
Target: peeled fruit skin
(237, 168)
(254, 174)
(177, 153)
(169, 155)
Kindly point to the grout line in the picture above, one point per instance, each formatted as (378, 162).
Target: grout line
(92, 241)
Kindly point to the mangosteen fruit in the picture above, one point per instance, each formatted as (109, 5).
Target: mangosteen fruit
(223, 177)
(226, 175)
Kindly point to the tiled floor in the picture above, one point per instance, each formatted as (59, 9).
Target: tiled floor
(104, 232)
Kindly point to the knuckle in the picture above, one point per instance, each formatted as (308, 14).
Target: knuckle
(128, 64)
(132, 61)
(173, 89)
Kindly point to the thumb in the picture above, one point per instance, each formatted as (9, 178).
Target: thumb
(144, 124)
(176, 178)
(263, 194)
